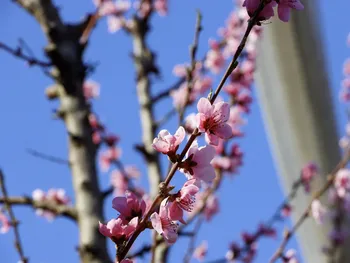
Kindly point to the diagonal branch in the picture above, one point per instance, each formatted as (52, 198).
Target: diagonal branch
(48, 157)
(14, 222)
(18, 52)
(289, 233)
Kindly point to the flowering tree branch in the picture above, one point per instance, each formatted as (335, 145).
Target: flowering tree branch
(163, 187)
(289, 233)
(62, 210)
(14, 223)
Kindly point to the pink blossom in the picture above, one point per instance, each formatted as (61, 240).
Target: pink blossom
(132, 171)
(308, 172)
(191, 123)
(346, 67)
(318, 211)
(212, 120)
(211, 205)
(5, 223)
(286, 210)
(119, 182)
(342, 182)
(143, 7)
(91, 89)
(129, 206)
(117, 229)
(215, 61)
(96, 137)
(201, 251)
(58, 196)
(198, 163)
(108, 8)
(163, 224)
(252, 6)
(180, 95)
(161, 6)
(180, 70)
(108, 156)
(221, 162)
(290, 257)
(236, 120)
(184, 200)
(115, 23)
(167, 143)
(94, 122)
(126, 260)
(284, 7)
(202, 84)
(234, 252)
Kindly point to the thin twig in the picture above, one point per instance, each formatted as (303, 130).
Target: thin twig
(166, 93)
(147, 247)
(276, 216)
(14, 222)
(289, 234)
(18, 52)
(192, 242)
(166, 117)
(192, 68)
(47, 157)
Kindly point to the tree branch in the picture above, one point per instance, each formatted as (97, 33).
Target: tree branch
(192, 243)
(192, 68)
(289, 233)
(14, 222)
(61, 210)
(66, 54)
(48, 157)
(18, 52)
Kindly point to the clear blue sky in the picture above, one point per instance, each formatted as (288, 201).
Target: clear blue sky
(26, 122)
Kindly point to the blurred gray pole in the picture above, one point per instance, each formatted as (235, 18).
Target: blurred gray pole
(294, 94)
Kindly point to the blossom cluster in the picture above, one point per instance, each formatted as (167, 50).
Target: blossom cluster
(283, 9)
(219, 121)
(337, 210)
(5, 223)
(116, 12)
(54, 196)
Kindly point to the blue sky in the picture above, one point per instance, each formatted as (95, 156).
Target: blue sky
(26, 117)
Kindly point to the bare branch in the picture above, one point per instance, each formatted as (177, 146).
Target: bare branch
(192, 68)
(14, 222)
(18, 52)
(166, 93)
(48, 157)
(192, 243)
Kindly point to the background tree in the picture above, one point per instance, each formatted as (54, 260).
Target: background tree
(90, 139)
